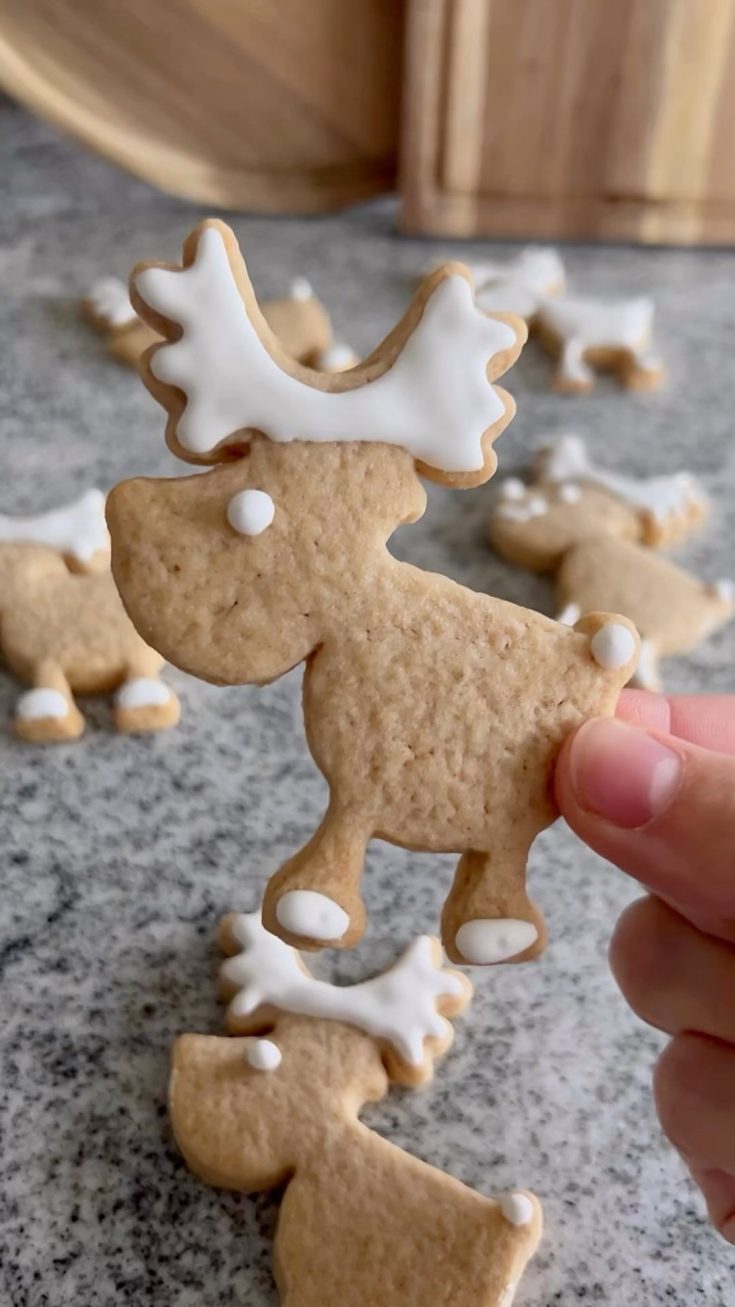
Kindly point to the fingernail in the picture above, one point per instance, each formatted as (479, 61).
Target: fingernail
(623, 774)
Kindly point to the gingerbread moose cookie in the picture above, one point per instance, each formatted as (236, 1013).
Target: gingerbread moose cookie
(434, 713)
(299, 319)
(64, 631)
(361, 1221)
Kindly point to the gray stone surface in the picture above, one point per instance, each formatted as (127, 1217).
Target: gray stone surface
(118, 855)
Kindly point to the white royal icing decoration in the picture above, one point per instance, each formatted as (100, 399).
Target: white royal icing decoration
(583, 323)
(612, 646)
(264, 1055)
(645, 676)
(569, 614)
(250, 512)
(509, 1293)
(78, 529)
(312, 915)
(110, 301)
(517, 1208)
(398, 1006)
(512, 488)
(494, 939)
(520, 511)
(435, 400)
(569, 493)
(519, 284)
(724, 589)
(566, 457)
(142, 692)
(338, 357)
(37, 704)
(301, 289)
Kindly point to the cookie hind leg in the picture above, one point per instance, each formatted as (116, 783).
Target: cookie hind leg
(640, 370)
(47, 713)
(573, 374)
(314, 900)
(143, 703)
(488, 916)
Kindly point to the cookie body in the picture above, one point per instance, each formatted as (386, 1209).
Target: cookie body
(670, 607)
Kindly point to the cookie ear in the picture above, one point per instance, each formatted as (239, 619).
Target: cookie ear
(221, 372)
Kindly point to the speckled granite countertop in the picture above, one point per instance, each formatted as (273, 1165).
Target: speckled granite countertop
(119, 855)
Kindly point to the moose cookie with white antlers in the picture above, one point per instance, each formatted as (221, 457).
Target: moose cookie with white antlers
(64, 631)
(435, 714)
(277, 1102)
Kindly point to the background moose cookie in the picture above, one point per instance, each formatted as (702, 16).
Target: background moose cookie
(63, 629)
(361, 1221)
(428, 707)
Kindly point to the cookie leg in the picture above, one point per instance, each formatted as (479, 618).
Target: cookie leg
(143, 703)
(641, 370)
(488, 916)
(573, 375)
(314, 900)
(48, 714)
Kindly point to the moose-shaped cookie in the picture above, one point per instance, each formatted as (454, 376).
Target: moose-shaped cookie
(299, 319)
(64, 631)
(361, 1220)
(436, 714)
(596, 530)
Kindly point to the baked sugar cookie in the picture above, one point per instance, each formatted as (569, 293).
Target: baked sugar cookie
(361, 1220)
(427, 707)
(588, 335)
(63, 629)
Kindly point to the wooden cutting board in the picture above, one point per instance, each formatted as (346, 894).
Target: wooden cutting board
(276, 105)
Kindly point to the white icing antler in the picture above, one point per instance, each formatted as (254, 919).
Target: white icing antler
(110, 301)
(435, 400)
(566, 459)
(78, 530)
(399, 1006)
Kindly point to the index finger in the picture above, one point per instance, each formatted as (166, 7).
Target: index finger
(704, 719)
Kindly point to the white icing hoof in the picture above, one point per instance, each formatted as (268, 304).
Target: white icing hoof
(301, 289)
(494, 939)
(724, 589)
(264, 1055)
(509, 1293)
(250, 512)
(312, 915)
(35, 705)
(142, 692)
(517, 1208)
(612, 646)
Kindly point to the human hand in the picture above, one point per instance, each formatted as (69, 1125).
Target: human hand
(654, 792)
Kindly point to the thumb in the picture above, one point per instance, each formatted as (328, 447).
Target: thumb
(661, 809)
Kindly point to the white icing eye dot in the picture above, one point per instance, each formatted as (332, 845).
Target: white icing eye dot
(517, 1208)
(301, 289)
(512, 488)
(250, 512)
(264, 1055)
(569, 493)
(612, 646)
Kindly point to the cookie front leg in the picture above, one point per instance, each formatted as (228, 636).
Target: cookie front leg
(573, 375)
(314, 900)
(47, 713)
(647, 675)
(143, 703)
(488, 916)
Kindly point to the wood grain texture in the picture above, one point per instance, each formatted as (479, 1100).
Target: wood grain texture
(570, 118)
(240, 103)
